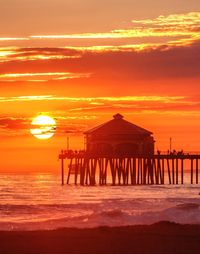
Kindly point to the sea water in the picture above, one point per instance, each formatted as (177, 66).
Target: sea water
(38, 201)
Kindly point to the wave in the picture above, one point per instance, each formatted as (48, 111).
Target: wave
(188, 206)
(185, 213)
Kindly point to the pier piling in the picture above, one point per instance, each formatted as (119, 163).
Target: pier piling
(88, 169)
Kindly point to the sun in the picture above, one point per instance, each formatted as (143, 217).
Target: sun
(43, 127)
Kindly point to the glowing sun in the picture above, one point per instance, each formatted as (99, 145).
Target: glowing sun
(43, 127)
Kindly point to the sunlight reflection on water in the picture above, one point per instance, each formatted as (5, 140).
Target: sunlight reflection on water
(38, 200)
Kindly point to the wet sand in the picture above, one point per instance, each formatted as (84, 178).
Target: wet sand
(162, 237)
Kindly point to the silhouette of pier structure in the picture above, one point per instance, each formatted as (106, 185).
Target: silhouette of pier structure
(121, 153)
(133, 170)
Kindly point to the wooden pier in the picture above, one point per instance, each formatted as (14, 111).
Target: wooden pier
(87, 169)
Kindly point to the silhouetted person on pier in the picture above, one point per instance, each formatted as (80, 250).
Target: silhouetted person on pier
(174, 152)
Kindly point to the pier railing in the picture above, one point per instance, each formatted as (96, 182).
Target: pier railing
(90, 169)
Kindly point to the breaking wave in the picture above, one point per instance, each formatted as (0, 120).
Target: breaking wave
(58, 216)
(39, 202)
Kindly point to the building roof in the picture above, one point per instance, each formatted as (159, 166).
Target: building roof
(118, 126)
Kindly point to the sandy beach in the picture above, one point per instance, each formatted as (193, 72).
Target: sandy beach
(162, 237)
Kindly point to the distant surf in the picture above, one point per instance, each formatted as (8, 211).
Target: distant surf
(37, 202)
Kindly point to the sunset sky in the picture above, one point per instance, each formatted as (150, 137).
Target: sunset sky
(81, 62)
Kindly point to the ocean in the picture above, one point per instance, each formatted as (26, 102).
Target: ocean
(38, 201)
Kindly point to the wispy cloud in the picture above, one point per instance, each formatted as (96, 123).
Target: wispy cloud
(14, 126)
(76, 105)
(25, 98)
(96, 100)
(184, 26)
(20, 126)
(173, 20)
(13, 122)
(74, 115)
(14, 39)
(110, 63)
(8, 54)
(41, 77)
(169, 44)
(174, 29)
(172, 25)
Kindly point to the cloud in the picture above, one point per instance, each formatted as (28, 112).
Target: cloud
(13, 39)
(8, 54)
(184, 26)
(71, 108)
(73, 115)
(71, 129)
(174, 20)
(19, 126)
(153, 63)
(178, 29)
(95, 100)
(156, 105)
(41, 76)
(108, 63)
(14, 123)
(25, 98)
(88, 68)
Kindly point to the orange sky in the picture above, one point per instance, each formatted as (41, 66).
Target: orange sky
(64, 60)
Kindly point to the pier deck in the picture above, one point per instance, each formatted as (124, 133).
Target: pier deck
(88, 169)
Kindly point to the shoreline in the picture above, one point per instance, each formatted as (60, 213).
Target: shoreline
(162, 237)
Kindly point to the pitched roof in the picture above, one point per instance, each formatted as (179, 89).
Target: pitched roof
(118, 126)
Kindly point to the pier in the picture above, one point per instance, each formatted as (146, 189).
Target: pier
(88, 169)
(119, 152)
